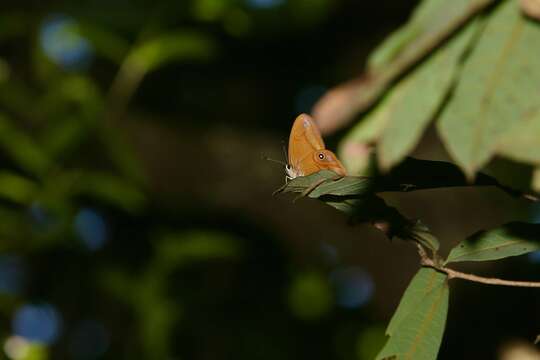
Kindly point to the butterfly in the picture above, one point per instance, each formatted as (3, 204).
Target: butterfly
(307, 153)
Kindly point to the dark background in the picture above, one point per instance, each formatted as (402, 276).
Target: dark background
(167, 242)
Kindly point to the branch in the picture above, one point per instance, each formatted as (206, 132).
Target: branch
(428, 262)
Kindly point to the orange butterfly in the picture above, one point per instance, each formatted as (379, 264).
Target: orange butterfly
(307, 153)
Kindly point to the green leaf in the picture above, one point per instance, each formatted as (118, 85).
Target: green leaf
(61, 139)
(413, 102)
(425, 280)
(181, 45)
(22, 148)
(417, 327)
(301, 183)
(106, 187)
(435, 21)
(512, 239)
(346, 186)
(536, 180)
(105, 42)
(420, 233)
(16, 188)
(13, 24)
(429, 18)
(496, 89)
(523, 142)
(176, 249)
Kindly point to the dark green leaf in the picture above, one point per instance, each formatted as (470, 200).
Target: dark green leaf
(417, 328)
(17, 188)
(105, 42)
(302, 183)
(21, 148)
(420, 233)
(181, 45)
(509, 240)
(346, 186)
(106, 187)
(425, 280)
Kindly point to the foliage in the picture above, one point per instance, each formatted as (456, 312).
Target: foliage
(468, 67)
(135, 274)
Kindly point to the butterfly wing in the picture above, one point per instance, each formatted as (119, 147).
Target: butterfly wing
(307, 153)
(304, 139)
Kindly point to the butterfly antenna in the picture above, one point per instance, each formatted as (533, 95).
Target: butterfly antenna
(274, 160)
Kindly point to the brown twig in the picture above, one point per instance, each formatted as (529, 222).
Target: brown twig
(454, 274)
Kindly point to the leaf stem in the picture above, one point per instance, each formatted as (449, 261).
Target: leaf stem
(426, 261)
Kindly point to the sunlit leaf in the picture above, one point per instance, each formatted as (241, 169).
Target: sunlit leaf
(417, 328)
(429, 18)
(522, 143)
(413, 102)
(433, 23)
(509, 240)
(399, 121)
(536, 180)
(495, 90)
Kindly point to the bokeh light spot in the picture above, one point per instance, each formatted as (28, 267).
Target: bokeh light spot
(16, 347)
(91, 229)
(264, 4)
(237, 22)
(42, 219)
(90, 340)
(61, 41)
(209, 10)
(370, 341)
(310, 296)
(40, 323)
(307, 97)
(534, 257)
(12, 273)
(353, 286)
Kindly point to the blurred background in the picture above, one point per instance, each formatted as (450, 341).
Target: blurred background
(136, 210)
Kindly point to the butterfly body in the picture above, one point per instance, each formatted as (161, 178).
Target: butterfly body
(307, 153)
